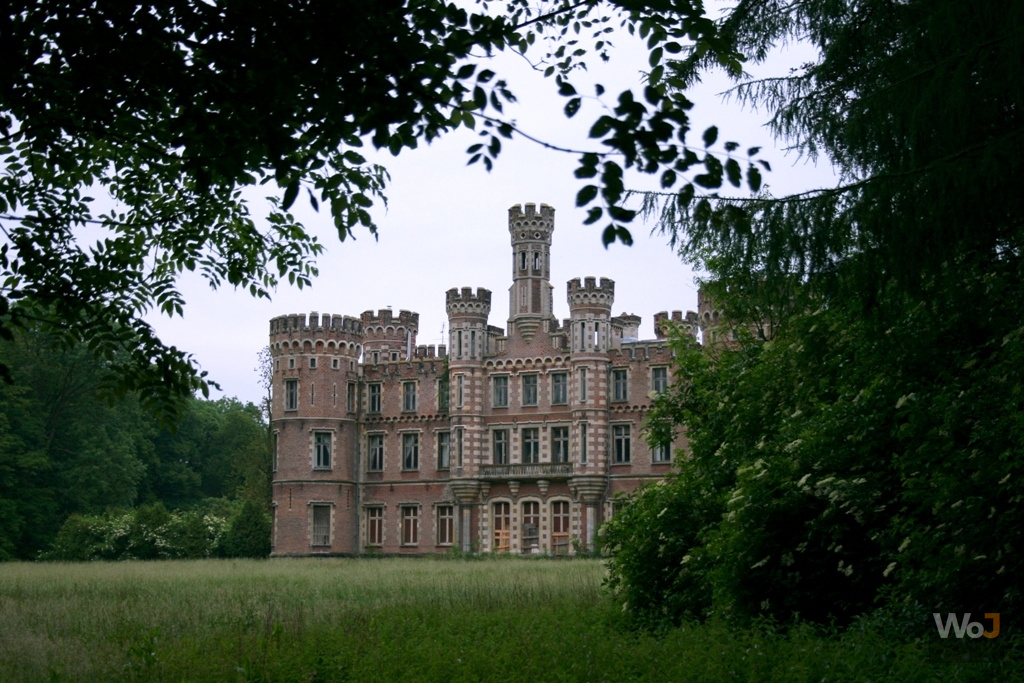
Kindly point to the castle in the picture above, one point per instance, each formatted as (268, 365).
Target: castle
(505, 440)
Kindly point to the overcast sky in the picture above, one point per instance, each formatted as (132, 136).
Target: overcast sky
(446, 226)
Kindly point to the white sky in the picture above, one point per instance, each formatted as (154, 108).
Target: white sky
(446, 226)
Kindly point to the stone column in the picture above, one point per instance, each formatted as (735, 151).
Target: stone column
(466, 492)
(589, 490)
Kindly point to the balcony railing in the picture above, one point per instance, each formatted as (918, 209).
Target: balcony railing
(539, 470)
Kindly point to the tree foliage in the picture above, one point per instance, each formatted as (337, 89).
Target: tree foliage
(864, 449)
(164, 111)
(65, 451)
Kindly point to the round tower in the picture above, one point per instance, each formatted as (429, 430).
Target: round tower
(314, 418)
(530, 296)
(708, 318)
(467, 323)
(590, 310)
(389, 338)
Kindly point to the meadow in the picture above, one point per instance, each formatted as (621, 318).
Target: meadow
(399, 620)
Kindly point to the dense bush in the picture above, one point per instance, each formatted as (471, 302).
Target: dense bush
(248, 535)
(850, 463)
(147, 533)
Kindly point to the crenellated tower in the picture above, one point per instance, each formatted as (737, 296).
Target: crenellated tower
(590, 311)
(530, 296)
(467, 323)
(387, 337)
(315, 429)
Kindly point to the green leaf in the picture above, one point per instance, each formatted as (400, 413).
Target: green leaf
(754, 179)
(290, 193)
(733, 172)
(710, 135)
(572, 106)
(586, 195)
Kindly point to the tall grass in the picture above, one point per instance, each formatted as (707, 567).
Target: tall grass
(390, 620)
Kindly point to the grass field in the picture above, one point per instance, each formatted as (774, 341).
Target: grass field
(395, 620)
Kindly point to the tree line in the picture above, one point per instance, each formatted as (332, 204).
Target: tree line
(71, 448)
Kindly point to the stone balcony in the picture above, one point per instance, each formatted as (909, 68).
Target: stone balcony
(538, 470)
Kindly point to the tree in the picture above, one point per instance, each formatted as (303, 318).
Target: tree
(865, 455)
(171, 108)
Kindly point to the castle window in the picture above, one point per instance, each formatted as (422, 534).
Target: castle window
(376, 357)
(620, 388)
(312, 363)
(375, 526)
(560, 527)
(459, 389)
(410, 525)
(559, 444)
(442, 395)
(536, 261)
(374, 390)
(583, 385)
(458, 447)
(334, 395)
(661, 452)
(502, 527)
(408, 396)
(472, 344)
(322, 448)
(394, 355)
(277, 365)
(375, 450)
(522, 260)
(350, 402)
(583, 336)
(444, 450)
(274, 453)
(659, 379)
(531, 445)
(583, 442)
(291, 363)
(531, 525)
(458, 345)
(499, 449)
(410, 451)
(620, 442)
(559, 388)
(445, 524)
(529, 390)
(501, 392)
(335, 364)
(291, 394)
(321, 525)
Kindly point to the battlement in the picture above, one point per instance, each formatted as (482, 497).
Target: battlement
(526, 217)
(589, 294)
(662, 322)
(386, 318)
(297, 323)
(465, 302)
(629, 324)
(429, 351)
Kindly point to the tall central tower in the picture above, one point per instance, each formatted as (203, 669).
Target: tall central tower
(530, 297)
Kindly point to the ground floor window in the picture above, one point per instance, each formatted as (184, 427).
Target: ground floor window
(321, 525)
(445, 524)
(502, 524)
(375, 526)
(410, 525)
(620, 439)
(560, 527)
(531, 525)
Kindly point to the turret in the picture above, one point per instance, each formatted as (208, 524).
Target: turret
(387, 338)
(709, 317)
(467, 322)
(590, 308)
(662, 323)
(294, 338)
(530, 296)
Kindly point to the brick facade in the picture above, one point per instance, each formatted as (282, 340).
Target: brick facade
(517, 439)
